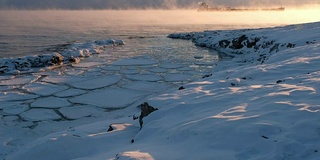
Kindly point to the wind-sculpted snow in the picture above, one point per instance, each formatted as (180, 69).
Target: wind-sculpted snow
(73, 54)
(254, 45)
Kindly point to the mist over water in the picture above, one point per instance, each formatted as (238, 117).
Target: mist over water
(33, 32)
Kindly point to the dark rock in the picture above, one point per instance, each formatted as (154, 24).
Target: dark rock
(237, 43)
(132, 141)
(253, 43)
(224, 43)
(232, 84)
(279, 81)
(22, 65)
(275, 47)
(290, 45)
(57, 59)
(110, 128)
(3, 69)
(207, 75)
(146, 109)
(134, 117)
(267, 44)
(181, 88)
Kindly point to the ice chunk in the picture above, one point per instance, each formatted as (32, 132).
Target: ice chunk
(171, 66)
(44, 89)
(158, 70)
(64, 79)
(87, 64)
(40, 115)
(15, 96)
(96, 83)
(15, 110)
(50, 102)
(77, 112)
(18, 80)
(70, 93)
(134, 62)
(145, 77)
(109, 98)
(8, 104)
(129, 71)
(111, 68)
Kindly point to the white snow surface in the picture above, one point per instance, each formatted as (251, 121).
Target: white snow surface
(249, 109)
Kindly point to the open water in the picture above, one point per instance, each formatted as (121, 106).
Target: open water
(25, 33)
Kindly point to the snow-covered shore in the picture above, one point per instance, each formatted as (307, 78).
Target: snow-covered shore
(262, 104)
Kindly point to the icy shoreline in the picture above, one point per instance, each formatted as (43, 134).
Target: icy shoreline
(249, 108)
(254, 45)
(72, 54)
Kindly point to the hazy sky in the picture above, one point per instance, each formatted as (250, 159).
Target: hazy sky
(116, 4)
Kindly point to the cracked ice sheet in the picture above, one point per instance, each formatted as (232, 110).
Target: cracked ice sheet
(44, 89)
(40, 115)
(77, 112)
(145, 77)
(15, 110)
(18, 80)
(96, 83)
(16, 96)
(8, 104)
(87, 64)
(134, 62)
(109, 98)
(64, 79)
(69, 93)
(50, 102)
(171, 66)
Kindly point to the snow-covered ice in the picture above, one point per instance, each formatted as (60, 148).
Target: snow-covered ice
(177, 77)
(261, 104)
(109, 98)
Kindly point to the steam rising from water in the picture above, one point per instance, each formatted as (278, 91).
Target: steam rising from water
(25, 32)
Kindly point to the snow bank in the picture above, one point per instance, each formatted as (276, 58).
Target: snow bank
(72, 54)
(241, 112)
(255, 45)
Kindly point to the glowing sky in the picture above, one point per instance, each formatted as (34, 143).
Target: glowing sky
(116, 4)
